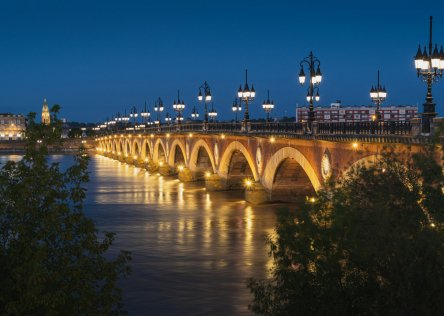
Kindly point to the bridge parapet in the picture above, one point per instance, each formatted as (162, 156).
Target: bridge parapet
(382, 132)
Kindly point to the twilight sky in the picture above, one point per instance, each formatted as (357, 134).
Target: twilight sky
(96, 58)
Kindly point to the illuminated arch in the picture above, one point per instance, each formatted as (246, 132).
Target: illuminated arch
(171, 155)
(115, 146)
(158, 143)
(226, 159)
(144, 154)
(127, 147)
(192, 163)
(136, 148)
(122, 146)
(292, 153)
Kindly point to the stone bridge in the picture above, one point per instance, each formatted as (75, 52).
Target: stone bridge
(270, 168)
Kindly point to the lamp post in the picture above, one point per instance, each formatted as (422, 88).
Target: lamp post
(179, 106)
(134, 116)
(268, 106)
(247, 95)
(125, 119)
(168, 118)
(158, 108)
(146, 115)
(236, 107)
(194, 114)
(378, 94)
(429, 67)
(117, 118)
(212, 113)
(311, 62)
(205, 97)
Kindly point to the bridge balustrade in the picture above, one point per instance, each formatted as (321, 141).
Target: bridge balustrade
(388, 128)
(365, 128)
(278, 127)
(225, 126)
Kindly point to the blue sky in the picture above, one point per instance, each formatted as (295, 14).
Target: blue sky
(96, 58)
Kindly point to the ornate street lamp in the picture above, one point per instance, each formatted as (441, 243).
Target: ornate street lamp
(212, 113)
(125, 119)
(168, 118)
(194, 114)
(179, 106)
(205, 97)
(158, 108)
(268, 106)
(429, 67)
(312, 63)
(247, 95)
(134, 116)
(145, 114)
(378, 94)
(236, 107)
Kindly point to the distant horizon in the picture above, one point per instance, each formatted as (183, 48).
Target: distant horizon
(96, 59)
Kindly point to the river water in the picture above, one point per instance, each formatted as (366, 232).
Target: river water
(192, 250)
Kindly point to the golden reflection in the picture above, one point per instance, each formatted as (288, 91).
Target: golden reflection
(180, 191)
(207, 201)
(161, 187)
(186, 219)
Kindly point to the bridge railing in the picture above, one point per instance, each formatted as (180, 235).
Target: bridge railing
(278, 127)
(234, 127)
(383, 129)
(367, 128)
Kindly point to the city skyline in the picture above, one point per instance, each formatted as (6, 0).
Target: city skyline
(97, 59)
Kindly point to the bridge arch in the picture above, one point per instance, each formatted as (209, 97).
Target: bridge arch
(122, 147)
(127, 147)
(115, 146)
(235, 151)
(160, 153)
(177, 154)
(290, 173)
(199, 153)
(135, 150)
(146, 151)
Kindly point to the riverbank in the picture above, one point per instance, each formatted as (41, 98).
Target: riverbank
(68, 146)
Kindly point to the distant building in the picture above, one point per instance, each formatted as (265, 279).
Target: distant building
(46, 117)
(12, 126)
(338, 113)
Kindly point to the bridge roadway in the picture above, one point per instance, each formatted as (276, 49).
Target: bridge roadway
(271, 166)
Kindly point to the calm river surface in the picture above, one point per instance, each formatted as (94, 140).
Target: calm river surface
(192, 249)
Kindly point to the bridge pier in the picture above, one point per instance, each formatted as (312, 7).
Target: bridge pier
(165, 170)
(139, 163)
(214, 182)
(256, 194)
(186, 175)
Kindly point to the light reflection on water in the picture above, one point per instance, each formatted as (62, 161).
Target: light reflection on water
(192, 249)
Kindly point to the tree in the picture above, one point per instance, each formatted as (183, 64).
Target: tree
(371, 244)
(53, 261)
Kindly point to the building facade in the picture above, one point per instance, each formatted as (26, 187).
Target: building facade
(46, 117)
(338, 113)
(12, 127)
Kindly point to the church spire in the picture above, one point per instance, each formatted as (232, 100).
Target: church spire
(46, 118)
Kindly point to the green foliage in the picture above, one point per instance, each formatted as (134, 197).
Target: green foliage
(53, 261)
(371, 244)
